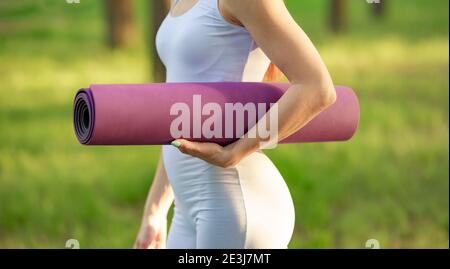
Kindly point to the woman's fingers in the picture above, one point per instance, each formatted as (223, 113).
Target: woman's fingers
(187, 147)
(159, 245)
(196, 149)
(157, 241)
(152, 245)
(209, 152)
(162, 241)
(151, 236)
(137, 245)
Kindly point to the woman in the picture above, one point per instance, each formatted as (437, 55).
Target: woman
(232, 196)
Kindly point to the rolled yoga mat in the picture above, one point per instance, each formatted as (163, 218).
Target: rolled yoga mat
(139, 114)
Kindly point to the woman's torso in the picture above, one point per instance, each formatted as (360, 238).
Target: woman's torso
(201, 46)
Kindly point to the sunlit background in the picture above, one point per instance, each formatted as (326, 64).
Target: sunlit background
(389, 183)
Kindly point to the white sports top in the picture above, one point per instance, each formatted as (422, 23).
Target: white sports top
(201, 46)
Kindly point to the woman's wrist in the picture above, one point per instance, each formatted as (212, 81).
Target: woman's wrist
(241, 148)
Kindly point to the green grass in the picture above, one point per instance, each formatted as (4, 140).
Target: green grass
(390, 182)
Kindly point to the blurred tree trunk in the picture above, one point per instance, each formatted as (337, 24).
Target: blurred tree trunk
(159, 10)
(379, 9)
(120, 22)
(337, 15)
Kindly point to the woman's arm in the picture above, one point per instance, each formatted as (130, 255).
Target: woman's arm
(160, 197)
(152, 233)
(287, 46)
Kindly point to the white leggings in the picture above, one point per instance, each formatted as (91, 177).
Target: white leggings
(248, 206)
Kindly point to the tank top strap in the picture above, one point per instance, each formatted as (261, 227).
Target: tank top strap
(213, 7)
(210, 4)
(214, 4)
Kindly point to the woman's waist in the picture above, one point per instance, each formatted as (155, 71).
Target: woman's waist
(187, 172)
(178, 164)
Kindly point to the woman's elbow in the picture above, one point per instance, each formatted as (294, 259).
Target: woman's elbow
(321, 91)
(328, 96)
(326, 93)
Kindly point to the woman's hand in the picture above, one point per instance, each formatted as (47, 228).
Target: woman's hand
(152, 234)
(212, 153)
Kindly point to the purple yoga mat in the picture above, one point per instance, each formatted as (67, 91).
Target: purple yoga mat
(139, 114)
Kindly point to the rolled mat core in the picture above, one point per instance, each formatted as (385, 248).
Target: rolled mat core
(84, 115)
(140, 114)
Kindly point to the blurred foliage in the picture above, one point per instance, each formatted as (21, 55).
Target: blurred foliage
(390, 182)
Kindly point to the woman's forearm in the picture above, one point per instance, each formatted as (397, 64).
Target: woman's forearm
(270, 24)
(294, 109)
(160, 196)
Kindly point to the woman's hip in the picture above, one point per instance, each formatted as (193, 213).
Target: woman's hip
(252, 197)
(254, 179)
